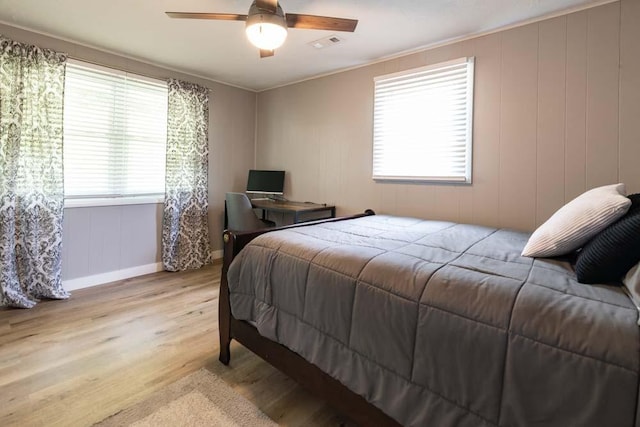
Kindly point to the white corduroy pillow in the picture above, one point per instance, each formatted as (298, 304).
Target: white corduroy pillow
(578, 221)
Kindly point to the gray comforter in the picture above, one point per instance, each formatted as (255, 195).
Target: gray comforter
(444, 324)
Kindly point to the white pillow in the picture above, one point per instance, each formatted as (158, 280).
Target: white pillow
(578, 221)
(632, 284)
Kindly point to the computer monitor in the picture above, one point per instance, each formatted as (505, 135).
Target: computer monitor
(265, 182)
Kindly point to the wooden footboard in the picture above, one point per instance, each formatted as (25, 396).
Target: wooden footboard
(287, 361)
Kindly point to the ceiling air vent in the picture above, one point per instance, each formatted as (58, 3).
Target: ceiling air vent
(326, 42)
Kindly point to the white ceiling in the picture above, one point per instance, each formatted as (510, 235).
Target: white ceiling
(220, 51)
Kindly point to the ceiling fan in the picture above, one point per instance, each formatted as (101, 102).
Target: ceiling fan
(266, 23)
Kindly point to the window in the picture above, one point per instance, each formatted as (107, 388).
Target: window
(422, 124)
(115, 133)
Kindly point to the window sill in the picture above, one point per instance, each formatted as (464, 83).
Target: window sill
(423, 180)
(112, 201)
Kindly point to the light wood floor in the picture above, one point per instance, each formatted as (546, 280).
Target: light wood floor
(75, 362)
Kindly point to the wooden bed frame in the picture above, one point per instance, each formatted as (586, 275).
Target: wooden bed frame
(287, 361)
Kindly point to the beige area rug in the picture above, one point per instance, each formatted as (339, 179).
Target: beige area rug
(200, 399)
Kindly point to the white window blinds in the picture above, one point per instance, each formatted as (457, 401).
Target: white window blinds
(422, 124)
(115, 133)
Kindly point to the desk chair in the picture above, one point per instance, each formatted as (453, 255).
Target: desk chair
(240, 215)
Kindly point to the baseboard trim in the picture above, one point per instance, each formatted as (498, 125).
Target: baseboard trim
(110, 276)
(216, 255)
(127, 273)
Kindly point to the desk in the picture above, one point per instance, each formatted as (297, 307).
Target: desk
(295, 208)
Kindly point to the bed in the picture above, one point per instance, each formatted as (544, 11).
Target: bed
(402, 321)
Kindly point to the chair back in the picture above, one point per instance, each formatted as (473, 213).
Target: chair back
(240, 215)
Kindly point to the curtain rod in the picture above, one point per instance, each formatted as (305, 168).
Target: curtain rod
(119, 69)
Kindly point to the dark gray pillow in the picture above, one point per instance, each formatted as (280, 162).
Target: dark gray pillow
(612, 252)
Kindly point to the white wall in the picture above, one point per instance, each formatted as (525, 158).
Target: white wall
(557, 111)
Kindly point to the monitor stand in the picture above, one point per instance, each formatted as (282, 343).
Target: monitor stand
(271, 197)
(276, 198)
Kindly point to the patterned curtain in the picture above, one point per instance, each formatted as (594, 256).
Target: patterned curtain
(185, 233)
(31, 183)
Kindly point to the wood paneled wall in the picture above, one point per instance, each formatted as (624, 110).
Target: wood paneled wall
(557, 111)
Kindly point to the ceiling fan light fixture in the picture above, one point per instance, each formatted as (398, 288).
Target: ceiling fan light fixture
(266, 30)
(266, 24)
(266, 35)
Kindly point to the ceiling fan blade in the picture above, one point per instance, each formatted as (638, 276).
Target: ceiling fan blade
(312, 22)
(268, 5)
(219, 16)
(264, 53)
